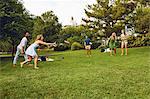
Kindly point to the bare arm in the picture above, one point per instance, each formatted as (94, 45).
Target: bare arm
(48, 44)
(22, 50)
(43, 43)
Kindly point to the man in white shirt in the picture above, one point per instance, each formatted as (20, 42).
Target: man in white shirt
(21, 48)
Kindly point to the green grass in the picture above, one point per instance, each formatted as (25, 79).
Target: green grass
(79, 77)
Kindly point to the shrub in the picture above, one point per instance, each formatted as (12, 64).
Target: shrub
(74, 39)
(95, 45)
(102, 47)
(141, 40)
(5, 46)
(61, 47)
(76, 46)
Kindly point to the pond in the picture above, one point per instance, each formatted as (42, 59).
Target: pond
(7, 59)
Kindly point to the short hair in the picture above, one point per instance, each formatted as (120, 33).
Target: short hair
(25, 33)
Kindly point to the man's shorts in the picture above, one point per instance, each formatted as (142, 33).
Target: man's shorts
(88, 47)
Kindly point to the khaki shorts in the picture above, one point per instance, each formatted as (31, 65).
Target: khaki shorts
(123, 43)
(88, 47)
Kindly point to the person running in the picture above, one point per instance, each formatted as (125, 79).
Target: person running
(21, 48)
(87, 44)
(112, 43)
(124, 42)
(31, 50)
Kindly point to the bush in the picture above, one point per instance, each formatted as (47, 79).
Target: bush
(102, 47)
(61, 47)
(141, 40)
(5, 46)
(95, 45)
(76, 46)
(74, 39)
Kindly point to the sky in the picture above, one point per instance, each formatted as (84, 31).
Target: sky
(63, 9)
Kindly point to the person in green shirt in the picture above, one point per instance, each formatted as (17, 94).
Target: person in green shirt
(112, 43)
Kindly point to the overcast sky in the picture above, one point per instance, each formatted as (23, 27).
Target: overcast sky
(64, 9)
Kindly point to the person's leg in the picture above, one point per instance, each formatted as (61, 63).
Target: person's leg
(87, 51)
(90, 52)
(122, 48)
(114, 51)
(126, 47)
(25, 57)
(110, 51)
(16, 56)
(28, 60)
(36, 62)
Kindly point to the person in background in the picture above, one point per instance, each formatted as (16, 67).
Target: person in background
(31, 50)
(124, 43)
(87, 44)
(112, 43)
(21, 48)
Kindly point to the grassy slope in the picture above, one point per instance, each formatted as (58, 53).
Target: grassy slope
(79, 77)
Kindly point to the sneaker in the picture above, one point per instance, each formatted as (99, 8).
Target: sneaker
(21, 65)
(36, 67)
(14, 65)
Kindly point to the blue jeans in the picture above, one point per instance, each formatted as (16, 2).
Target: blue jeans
(18, 52)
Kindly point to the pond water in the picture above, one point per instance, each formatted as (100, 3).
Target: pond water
(9, 59)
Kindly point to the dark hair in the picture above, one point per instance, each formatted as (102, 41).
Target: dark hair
(26, 32)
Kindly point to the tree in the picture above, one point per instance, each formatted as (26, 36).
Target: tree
(14, 20)
(142, 19)
(108, 19)
(48, 25)
(74, 33)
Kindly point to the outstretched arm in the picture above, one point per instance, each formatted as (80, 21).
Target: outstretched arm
(43, 43)
(52, 44)
(48, 44)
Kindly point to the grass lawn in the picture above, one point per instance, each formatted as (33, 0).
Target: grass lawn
(79, 77)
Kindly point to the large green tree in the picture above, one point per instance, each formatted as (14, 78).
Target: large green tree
(74, 33)
(48, 25)
(142, 19)
(105, 18)
(14, 21)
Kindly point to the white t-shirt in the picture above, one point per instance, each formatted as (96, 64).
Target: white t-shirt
(123, 37)
(23, 43)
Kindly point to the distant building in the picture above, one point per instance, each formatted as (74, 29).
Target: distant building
(73, 22)
(129, 30)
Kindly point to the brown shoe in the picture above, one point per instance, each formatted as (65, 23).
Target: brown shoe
(14, 65)
(36, 67)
